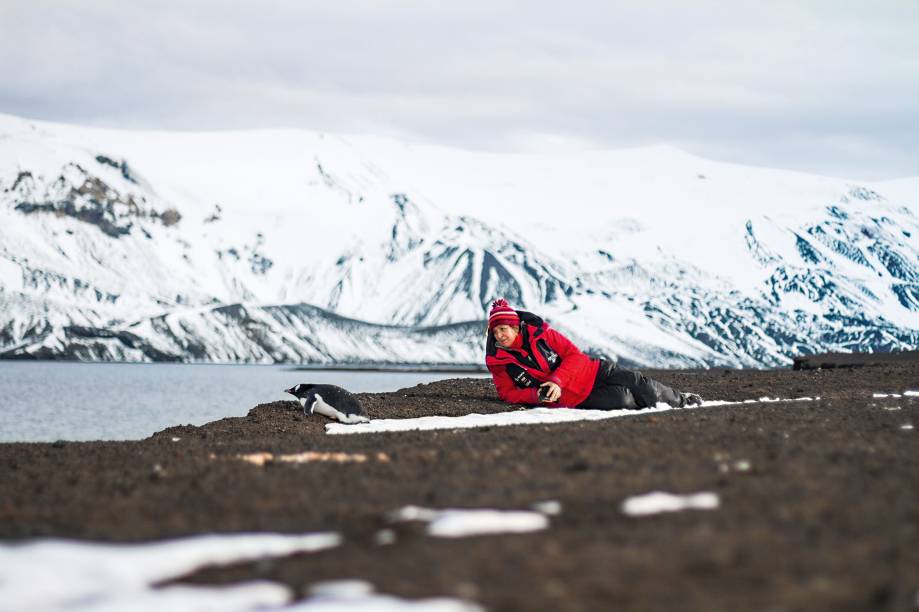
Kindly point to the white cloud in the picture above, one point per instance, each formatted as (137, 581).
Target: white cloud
(823, 86)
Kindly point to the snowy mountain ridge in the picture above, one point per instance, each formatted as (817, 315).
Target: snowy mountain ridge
(292, 246)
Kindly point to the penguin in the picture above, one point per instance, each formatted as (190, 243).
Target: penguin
(331, 401)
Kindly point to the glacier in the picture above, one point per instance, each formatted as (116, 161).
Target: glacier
(290, 246)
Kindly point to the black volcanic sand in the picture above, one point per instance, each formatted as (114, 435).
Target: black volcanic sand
(825, 518)
(852, 360)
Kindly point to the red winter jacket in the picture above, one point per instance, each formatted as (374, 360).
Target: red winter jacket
(544, 355)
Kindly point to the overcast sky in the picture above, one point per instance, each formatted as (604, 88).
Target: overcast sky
(829, 87)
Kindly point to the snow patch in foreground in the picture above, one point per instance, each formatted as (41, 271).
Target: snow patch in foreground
(659, 501)
(89, 576)
(52, 575)
(358, 596)
(526, 416)
(341, 588)
(461, 523)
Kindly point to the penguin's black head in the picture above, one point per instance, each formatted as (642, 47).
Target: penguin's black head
(300, 391)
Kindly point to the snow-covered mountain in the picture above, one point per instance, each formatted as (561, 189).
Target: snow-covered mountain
(293, 246)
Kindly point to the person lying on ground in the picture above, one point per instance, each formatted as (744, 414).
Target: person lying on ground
(531, 363)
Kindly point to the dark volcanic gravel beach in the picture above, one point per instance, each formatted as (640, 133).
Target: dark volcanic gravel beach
(819, 500)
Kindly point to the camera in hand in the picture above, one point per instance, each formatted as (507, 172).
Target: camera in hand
(543, 393)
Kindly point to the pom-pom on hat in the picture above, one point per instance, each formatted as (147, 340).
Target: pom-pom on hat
(502, 314)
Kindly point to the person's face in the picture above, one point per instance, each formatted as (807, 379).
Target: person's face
(505, 334)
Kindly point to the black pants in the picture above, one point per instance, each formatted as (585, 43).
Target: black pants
(615, 389)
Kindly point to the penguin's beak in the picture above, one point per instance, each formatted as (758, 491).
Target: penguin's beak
(291, 390)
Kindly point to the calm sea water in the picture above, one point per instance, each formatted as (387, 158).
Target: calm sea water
(48, 401)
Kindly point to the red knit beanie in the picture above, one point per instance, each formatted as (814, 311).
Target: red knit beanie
(502, 314)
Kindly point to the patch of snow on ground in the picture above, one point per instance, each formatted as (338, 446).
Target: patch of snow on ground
(659, 501)
(384, 537)
(531, 416)
(341, 588)
(911, 393)
(380, 603)
(461, 523)
(58, 575)
(883, 395)
(528, 416)
(907, 427)
(762, 400)
(549, 507)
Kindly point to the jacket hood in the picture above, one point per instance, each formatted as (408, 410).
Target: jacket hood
(530, 319)
(527, 320)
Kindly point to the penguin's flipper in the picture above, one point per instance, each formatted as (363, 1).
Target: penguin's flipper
(321, 407)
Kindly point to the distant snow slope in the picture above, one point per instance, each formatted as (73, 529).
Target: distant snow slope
(287, 245)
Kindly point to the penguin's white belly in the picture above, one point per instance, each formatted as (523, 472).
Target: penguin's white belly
(321, 407)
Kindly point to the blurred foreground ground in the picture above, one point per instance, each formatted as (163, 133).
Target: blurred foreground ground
(819, 500)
